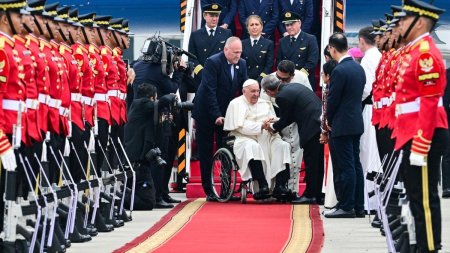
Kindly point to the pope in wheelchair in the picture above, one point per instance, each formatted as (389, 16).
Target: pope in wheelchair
(261, 156)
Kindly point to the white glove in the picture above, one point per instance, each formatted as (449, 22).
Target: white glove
(9, 160)
(417, 159)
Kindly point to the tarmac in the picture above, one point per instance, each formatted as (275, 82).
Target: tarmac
(341, 235)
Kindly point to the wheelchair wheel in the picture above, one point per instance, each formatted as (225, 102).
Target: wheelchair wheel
(244, 194)
(225, 169)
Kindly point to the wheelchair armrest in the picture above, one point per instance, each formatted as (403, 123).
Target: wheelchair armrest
(228, 141)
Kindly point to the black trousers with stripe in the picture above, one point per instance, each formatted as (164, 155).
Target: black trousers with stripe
(422, 189)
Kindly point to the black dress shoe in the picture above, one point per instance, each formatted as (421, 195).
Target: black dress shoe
(446, 193)
(360, 214)
(211, 198)
(281, 193)
(339, 213)
(163, 204)
(304, 200)
(169, 199)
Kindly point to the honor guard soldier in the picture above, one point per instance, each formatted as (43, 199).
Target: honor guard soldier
(268, 10)
(208, 40)
(12, 117)
(257, 50)
(421, 123)
(117, 24)
(299, 47)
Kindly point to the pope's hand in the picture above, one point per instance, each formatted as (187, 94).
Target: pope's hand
(417, 159)
(9, 160)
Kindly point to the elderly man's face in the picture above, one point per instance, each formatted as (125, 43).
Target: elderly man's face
(233, 51)
(251, 93)
(293, 28)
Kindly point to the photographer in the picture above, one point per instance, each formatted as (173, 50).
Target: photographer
(162, 66)
(141, 144)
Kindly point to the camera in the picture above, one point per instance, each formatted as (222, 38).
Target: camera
(156, 49)
(154, 154)
(184, 105)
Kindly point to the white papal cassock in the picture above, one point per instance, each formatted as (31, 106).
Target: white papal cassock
(244, 121)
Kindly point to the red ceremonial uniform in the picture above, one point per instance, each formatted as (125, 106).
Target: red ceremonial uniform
(101, 91)
(74, 82)
(15, 91)
(377, 90)
(55, 72)
(386, 88)
(81, 55)
(112, 83)
(41, 79)
(123, 78)
(8, 68)
(32, 95)
(64, 90)
(420, 87)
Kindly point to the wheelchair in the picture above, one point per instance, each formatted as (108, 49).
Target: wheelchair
(225, 168)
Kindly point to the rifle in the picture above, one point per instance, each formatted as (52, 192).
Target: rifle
(125, 174)
(111, 211)
(133, 188)
(55, 198)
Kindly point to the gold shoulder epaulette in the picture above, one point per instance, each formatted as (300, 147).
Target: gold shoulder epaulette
(424, 46)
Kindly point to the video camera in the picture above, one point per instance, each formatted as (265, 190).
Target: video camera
(154, 154)
(159, 51)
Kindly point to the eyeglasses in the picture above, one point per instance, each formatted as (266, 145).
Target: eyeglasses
(283, 79)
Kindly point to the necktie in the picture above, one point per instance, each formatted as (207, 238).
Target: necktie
(232, 71)
(211, 33)
(292, 40)
(254, 42)
(292, 2)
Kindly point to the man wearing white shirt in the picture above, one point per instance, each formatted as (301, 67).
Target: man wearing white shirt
(369, 156)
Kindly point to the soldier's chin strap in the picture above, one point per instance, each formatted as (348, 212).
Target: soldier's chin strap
(13, 29)
(115, 38)
(27, 28)
(71, 40)
(411, 27)
(85, 35)
(124, 45)
(49, 31)
(101, 37)
(41, 32)
(62, 34)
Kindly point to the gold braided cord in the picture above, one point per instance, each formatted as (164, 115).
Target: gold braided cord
(89, 20)
(421, 12)
(63, 16)
(38, 8)
(102, 22)
(52, 13)
(13, 5)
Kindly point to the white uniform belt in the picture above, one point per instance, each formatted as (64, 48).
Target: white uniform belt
(32, 103)
(377, 104)
(14, 105)
(64, 111)
(385, 101)
(55, 103)
(87, 100)
(101, 97)
(44, 98)
(410, 107)
(114, 93)
(123, 96)
(76, 97)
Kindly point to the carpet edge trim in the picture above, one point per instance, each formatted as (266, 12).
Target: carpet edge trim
(318, 234)
(153, 229)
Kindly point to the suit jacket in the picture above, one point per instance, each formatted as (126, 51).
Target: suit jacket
(140, 130)
(259, 58)
(344, 111)
(202, 46)
(229, 8)
(147, 72)
(297, 103)
(303, 7)
(304, 52)
(267, 10)
(217, 88)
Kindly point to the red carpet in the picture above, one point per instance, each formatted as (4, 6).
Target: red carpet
(199, 226)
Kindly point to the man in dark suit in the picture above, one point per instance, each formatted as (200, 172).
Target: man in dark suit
(257, 50)
(208, 40)
(303, 7)
(446, 158)
(344, 114)
(226, 18)
(297, 103)
(222, 80)
(266, 9)
(299, 47)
